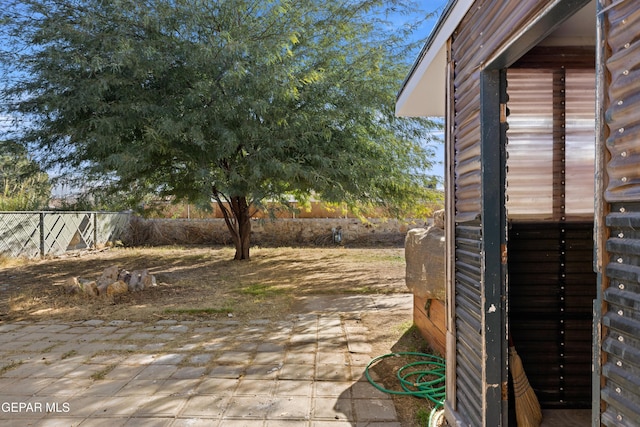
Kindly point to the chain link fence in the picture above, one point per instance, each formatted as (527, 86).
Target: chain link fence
(34, 234)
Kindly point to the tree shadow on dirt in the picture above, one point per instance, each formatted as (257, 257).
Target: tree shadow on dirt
(201, 278)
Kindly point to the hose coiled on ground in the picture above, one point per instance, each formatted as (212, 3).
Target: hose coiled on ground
(424, 378)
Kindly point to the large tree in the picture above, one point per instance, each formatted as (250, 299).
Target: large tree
(239, 101)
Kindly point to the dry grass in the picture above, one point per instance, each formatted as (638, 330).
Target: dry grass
(6, 262)
(199, 282)
(205, 283)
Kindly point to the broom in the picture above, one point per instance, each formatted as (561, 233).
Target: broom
(528, 412)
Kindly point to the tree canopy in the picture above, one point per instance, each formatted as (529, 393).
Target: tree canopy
(237, 101)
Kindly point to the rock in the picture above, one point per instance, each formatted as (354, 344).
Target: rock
(113, 281)
(117, 288)
(102, 288)
(424, 255)
(109, 275)
(89, 287)
(76, 285)
(72, 286)
(141, 279)
(124, 275)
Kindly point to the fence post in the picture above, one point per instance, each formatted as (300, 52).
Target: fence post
(95, 230)
(42, 234)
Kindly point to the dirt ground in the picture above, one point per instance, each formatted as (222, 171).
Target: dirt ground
(203, 283)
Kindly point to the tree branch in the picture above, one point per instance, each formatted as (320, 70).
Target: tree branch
(228, 216)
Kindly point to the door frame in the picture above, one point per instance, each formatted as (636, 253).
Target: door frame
(493, 214)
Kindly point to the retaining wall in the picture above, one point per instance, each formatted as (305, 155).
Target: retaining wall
(280, 232)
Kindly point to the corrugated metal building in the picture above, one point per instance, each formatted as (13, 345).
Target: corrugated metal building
(541, 102)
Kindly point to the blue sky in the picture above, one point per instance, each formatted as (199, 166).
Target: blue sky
(433, 5)
(439, 168)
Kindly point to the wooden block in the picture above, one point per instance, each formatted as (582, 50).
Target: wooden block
(429, 317)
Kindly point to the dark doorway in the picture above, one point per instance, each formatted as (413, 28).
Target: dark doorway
(550, 198)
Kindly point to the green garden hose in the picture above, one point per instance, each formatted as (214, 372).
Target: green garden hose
(424, 378)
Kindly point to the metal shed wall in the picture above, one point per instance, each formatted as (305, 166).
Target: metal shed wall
(477, 327)
(619, 262)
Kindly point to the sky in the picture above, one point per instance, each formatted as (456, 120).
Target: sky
(433, 5)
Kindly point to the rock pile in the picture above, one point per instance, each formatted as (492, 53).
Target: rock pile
(113, 281)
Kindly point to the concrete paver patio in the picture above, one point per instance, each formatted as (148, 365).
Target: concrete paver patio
(305, 370)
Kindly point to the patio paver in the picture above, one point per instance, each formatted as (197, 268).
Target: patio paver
(302, 371)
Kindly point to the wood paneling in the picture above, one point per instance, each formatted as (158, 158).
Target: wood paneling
(429, 318)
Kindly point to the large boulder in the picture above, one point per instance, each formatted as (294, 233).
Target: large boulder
(425, 255)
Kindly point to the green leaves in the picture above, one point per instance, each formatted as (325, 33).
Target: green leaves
(23, 186)
(253, 98)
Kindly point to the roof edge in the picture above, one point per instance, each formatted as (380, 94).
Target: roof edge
(453, 13)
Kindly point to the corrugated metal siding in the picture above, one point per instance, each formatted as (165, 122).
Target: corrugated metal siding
(487, 25)
(484, 29)
(468, 321)
(530, 147)
(621, 338)
(551, 143)
(580, 141)
(622, 117)
(621, 341)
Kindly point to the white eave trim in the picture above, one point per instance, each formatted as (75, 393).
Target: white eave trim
(424, 90)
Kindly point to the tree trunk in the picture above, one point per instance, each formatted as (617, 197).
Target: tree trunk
(237, 216)
(243, 219)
